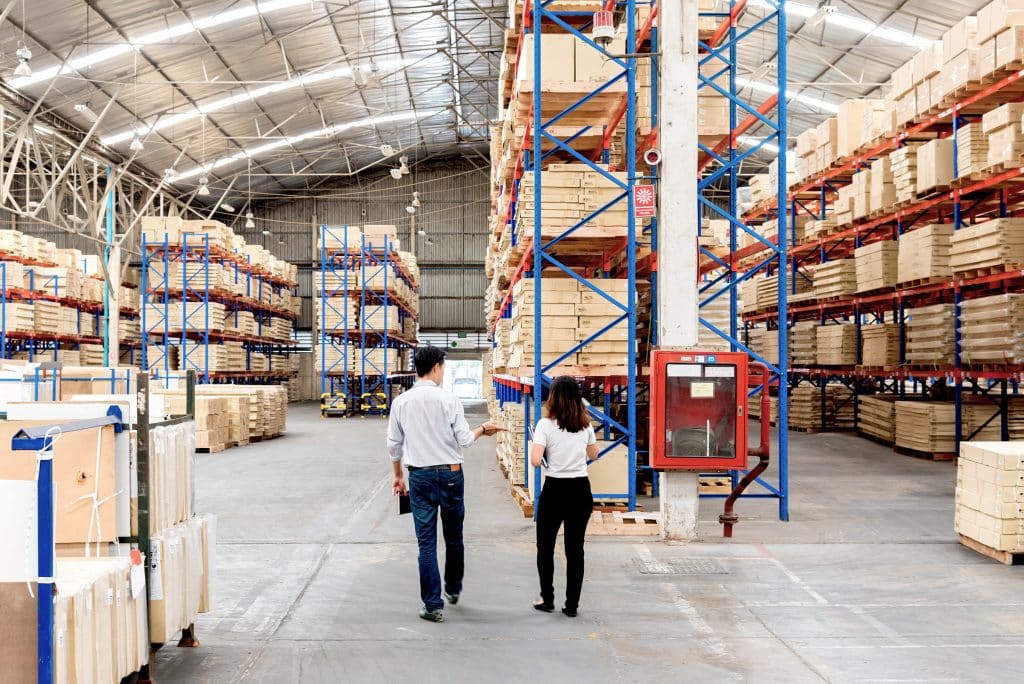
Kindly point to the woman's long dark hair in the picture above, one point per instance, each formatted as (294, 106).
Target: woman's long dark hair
(565, 405)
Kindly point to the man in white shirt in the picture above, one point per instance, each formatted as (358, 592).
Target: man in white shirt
(428, 430)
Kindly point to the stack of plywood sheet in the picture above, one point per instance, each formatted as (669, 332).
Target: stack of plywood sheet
(835, 279)
(91, 354)
(804, 346)
(877, 416)
(837, 344)
(717, 314)
(930, 334)
(198, 315)
(765, 343)
(48, 316)
(183, 558)
(381, 318)
(20, 316)
(877, 266)
(559, 322)
(201, 357)
(981, 420)
(596, 314)
(510, 444)
(805, 407)
(992, 329)
(926, 426)
(997, 244)
(880, 345)
(989, 506)
(924, 253)
(571, 192)
(972, 150)
(234, 357)
(337, 357)
(819, 228)
(903, 163)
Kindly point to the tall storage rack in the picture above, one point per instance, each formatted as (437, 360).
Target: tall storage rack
(359, 378)
(971, 199)
(718, 167)
(176, 311)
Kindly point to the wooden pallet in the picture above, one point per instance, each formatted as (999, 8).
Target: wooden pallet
(624, 524)
(1004, 557)
(522, 498)
(211, 449)
(926, 455)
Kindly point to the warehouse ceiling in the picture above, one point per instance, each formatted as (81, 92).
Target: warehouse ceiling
(277, 97)
(308, 90)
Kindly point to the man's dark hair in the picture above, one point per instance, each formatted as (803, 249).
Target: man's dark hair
(426, 358)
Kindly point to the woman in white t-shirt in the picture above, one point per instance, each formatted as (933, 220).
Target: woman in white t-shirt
(563, 443)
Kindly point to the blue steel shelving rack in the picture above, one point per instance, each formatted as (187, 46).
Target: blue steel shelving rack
(544, 252)
(167, 293)
(767, 122)
(368, 387)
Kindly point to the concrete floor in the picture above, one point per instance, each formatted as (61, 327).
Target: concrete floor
(317, 580)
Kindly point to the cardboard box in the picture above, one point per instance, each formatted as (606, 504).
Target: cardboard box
(1010, 47)
(1001, 116)
(959, 39)
(558, 62)
(902, 80)
(935, 164)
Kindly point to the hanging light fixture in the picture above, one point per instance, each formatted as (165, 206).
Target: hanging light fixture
(410, 209)
(249, 223)
(404, 168)
(228, 208)
(386, 150)
(266, 232)
(24, 55)
(416, 198)
(421, 232)
(136, 143)
(204, 187)
(396, 174)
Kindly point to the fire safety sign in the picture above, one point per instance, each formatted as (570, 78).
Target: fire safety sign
(644, 205)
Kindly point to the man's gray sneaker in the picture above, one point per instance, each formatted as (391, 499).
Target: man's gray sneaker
(452, 599)
(431, 615)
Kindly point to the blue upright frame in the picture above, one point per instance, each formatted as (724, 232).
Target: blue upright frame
(543, 251)
(718, 70)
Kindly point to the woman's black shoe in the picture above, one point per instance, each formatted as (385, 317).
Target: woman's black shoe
(544, 606)
(569, 612)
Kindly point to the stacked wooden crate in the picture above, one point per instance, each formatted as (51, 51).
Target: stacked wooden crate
(559, 323)
(930, 334)
(571, 192)
(596, 314)
(883, 188)
(876, 416)
(716, 313)
(924, 253)
(992, 329)
(835, 279)
(837, 344)
(1003, 128)
(765, 343)
(510, 447)
(934, 166)
(997, 244)
(926, 427)
(877, 266)
(981, 420)
(880, 345)
(211, 423)
(989, 509)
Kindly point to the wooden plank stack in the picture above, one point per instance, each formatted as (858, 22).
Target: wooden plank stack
(510, 447)
(837, 344)
(880, 345)
(805, 407)
(926, 427)
(877, 266)
(972, 150)
(981, 420)
(835, 279)
(804, 346)
(765, 343)
(924, 253)
(992, 329)
(211, 424)
(930, 333)
(989, 503)
(877, 416)
(903, 162)
(995, 244)
(934, 166)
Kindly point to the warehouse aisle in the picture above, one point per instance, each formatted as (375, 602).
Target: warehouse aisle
(317, 580)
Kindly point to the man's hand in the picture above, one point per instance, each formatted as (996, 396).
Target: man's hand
(398, 487)
(490, 429)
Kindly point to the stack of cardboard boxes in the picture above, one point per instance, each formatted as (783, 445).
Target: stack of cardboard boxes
(989, 482)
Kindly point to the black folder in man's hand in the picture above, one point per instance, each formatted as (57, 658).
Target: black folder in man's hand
(403, 504)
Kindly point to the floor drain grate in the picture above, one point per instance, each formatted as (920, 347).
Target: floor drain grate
(681, 566)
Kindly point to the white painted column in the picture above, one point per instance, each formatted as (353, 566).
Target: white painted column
(113, 312)
(678, 228)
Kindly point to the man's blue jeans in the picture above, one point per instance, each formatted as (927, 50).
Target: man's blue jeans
(429, 491)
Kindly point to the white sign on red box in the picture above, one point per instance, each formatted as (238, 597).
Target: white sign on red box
(644, 205)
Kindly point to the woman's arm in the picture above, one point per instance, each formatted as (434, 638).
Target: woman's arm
(536, 454)
(591, 453)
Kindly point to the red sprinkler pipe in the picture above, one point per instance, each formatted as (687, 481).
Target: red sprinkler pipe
(729, 517)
